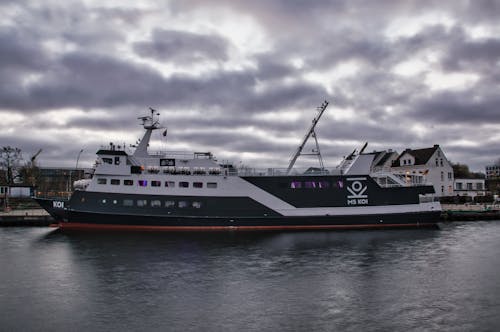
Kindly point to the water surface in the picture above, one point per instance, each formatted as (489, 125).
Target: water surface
(442, 280)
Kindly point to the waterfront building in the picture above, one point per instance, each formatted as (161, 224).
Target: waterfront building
(383, 160)
(493, 172)
(429, 163)
(57, 181)
(469, 187)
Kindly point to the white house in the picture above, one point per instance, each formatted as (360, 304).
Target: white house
(431, 163)
(469, 187)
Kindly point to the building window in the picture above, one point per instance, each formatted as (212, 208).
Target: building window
(156, 203)
(184, 184)
(458, 185)
(170, 184)
(469, 186)
(128, 202)
(155, 183)
(143, 183)
(169, 204)
(441, 162)
(442, 176)
(128, 182)
(450, 175)
(442, 189)
(437, 162)
(212, 185)
(198, 184)
(114, 182)
(479, 186)
(142, 202)
(101, 181)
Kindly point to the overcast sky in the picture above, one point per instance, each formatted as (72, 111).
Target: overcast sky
(242, 79)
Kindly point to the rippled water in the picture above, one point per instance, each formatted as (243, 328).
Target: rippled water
(320, 281)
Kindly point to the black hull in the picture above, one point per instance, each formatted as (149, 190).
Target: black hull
(87, 220)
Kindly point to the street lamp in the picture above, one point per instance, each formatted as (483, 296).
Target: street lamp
(78, 158)
(76, 166)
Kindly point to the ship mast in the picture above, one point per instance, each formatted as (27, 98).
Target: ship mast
(150, 123)
(311, 132)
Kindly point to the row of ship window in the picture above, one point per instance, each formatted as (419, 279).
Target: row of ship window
(154, 183)
(155, 203)
(315, 184)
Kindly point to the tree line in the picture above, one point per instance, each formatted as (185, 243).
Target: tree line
(14, 169)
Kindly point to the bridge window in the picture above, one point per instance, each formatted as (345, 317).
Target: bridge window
(115, 182)
(310, 184)
(107, 161)
(323, 184)
(101, 181)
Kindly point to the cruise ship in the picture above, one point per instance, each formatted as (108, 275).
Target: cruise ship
(145, 190)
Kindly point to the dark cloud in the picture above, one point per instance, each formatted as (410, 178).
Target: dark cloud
(459, 107)
(182, 47)
(89, 57)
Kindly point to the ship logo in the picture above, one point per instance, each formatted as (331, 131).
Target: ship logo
(357, 194)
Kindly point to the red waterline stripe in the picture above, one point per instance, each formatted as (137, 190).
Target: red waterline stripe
(83, 226)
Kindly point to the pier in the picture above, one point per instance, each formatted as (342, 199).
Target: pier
(26, 217)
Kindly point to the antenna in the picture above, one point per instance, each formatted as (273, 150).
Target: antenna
(311, 131)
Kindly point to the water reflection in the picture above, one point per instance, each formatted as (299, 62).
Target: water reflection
(399, 279)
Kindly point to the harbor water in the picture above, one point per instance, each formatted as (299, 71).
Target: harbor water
(385, 280)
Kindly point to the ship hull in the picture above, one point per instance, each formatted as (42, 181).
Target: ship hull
(96, 221)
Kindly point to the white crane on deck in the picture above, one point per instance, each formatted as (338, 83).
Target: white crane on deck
(315, 152)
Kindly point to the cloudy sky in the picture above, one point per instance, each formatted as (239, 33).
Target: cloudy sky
(242, 79)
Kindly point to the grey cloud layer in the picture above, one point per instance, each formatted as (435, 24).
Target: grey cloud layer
(86, 70)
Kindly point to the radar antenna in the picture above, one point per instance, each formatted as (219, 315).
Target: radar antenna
(311, 132)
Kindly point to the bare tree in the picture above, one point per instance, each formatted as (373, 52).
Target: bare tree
(9, 161)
